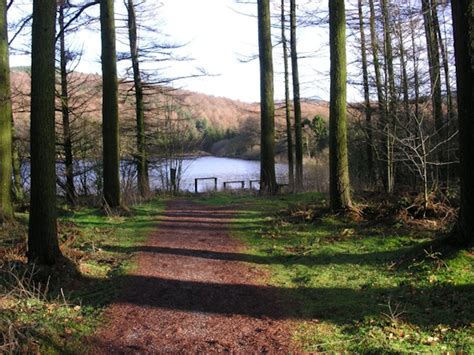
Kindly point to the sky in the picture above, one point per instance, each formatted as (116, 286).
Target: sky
(217, 35)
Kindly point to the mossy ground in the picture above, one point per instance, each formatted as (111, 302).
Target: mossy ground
(363, 285)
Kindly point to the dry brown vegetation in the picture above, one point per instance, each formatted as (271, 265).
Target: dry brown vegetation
(220, 112)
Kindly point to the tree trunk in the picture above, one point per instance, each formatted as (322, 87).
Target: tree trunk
(67, 143)
(141, 157)
(428, 7)
(367, 104)
(43, 245)
(267, 159)
(110, 119)
(404, 73)
(6, 208)
(340, 194)
(382, 102)
(391, 96)
(463, 24)
(18, 192)
(289, 135)
(296, 100)
(416, 80)
(449, 97)
(445, 61)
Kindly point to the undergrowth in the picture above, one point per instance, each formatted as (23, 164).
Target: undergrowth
(55, 314)
(378, 282)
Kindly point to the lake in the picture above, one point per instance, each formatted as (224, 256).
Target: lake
(224, 169)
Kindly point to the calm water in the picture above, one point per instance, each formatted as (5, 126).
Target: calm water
(224, 169)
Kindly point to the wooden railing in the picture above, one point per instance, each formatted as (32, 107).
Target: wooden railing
(201, 179)
(241, 182)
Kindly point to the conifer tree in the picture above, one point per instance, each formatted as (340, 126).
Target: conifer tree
(463, 24)
(339, 186)
(6, 209)
(110, 116)
(267, 106)
(43, 247)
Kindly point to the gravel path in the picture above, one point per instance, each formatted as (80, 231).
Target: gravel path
(192, 293)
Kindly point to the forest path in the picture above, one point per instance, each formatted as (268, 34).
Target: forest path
(194, 292)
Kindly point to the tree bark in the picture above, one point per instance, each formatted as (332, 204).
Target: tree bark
(367, 104)
(296, 100)
(267, 159)
(416, 80)
(110, 117)
(43, 245)
(289, 135)
(391, 97)
(67, 142)
(6, 208)
(18, 191)
(463, 25)
(382, 101)
(340, 194)
(141, 157)
(404, 73)
(428, 7)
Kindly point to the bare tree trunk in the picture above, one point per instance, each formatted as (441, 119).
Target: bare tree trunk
(416, 80)
(67, 144)
(18, 191)
(367, 104)
(6, 208)
(382, 102)
(392, 100)
(463, 23)
(267, 159)
(43, 245)
(110, 117)
(296, 100)
(445, 60)
(339, 193)
(449, 96)
(141, 157)
(404, 73)
(289, 135)
(428, 7)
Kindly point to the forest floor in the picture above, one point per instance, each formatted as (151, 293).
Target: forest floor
(242, 273)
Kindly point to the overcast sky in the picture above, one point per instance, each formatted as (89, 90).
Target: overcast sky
(217, 34)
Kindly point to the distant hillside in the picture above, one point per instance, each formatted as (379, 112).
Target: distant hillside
(220, 112)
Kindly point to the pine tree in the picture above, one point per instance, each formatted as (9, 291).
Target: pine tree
(267, 106)
(6, 209)
(110, 117)
(367, 104)
(339, 185)
(141, 157)
(67, 139)
(289, 135)
(43, 245)
(463, 24)
(296, 100)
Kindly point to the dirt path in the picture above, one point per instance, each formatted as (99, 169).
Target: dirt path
(192, 293)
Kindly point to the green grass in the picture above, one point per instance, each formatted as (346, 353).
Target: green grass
(60, 320)
(363, 287)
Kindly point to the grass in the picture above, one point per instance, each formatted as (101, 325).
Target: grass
(361, 286)
(364, 287)
(58, 318)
